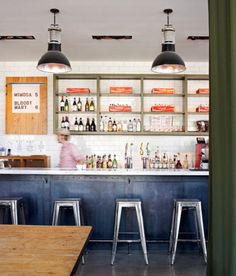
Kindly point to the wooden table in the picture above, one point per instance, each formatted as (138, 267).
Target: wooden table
(41, 250)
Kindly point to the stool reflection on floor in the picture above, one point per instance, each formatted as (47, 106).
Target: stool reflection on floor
(179, 206)
(15, 205)
(75, 204)
(128, 203)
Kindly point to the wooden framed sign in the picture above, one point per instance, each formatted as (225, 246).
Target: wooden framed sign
(26, 105)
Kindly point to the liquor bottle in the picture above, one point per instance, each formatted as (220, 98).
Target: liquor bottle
(178, 164)
(76, 125)
(105, 124)
(114, 163)
(87, 162)
(114, 126)
(63, 122)
(79, 105)
(93, 125)
(81, 125)
(110, 125)
(74, 106)
(125, 126)
(101, 124)
(164, 161)
(99, 162)
(109, 162)
(86, 105)
(67, 123)
(66, 105)
(104, 162)
(139, 125)
(87, 126)
(130, 126)
(119, 126)
(92, 106)
(134, 125)
(62, 104)
(185, 162)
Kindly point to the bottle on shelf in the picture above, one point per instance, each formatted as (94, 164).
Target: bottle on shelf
(93, 125)
(164, 161)
(109, 162)
(67, 123)
(105, 124)
(92, 106)
(185, 162)
(114, 163)
(110, 125)
(62, 104)
(124, 126)
(63, 122)
(130, 126)
(138, 125)
(87, 126)
(99, 162)
(76, 125)
(66, 108)
(86, 105)
(79, 105)
(178, 164)
(134, 125)
(104, 162)
(81, 125)
(101, 127)
(114, 126)
(74, 106)
(119, 126)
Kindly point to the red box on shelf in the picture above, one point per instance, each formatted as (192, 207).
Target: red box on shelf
(121, 90)
(120, 108)
(202, 91)
(202, 108)
(78, 90)
(163, 108)
(163, 91)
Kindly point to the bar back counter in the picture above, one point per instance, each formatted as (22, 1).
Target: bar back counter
(99, 190)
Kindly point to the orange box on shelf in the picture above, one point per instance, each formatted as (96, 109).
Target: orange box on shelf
(120, 108)
(121, 90)
(202, 108)
(163, 108)
(202, 91)
(163, 91)
(78, 90)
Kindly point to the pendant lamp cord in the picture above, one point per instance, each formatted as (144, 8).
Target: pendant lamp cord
(54, 19)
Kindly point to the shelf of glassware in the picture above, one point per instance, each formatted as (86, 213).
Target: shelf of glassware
(141, 133)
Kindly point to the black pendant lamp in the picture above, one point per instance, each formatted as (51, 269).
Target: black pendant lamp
(168, 61)
(54, 61)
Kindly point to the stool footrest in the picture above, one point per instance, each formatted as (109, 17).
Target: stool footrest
(129, 241)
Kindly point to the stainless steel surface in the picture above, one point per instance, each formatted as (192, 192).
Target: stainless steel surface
(179, 206)
(128, 203)
(75, 204)
(14, 204)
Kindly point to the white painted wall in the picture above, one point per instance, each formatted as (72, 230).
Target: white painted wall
(47, 144)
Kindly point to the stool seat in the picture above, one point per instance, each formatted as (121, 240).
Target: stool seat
(179, 206)
(128, 203)
(15, 204)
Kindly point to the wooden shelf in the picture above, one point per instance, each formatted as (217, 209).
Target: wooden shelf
(143, 85)
(76, 112)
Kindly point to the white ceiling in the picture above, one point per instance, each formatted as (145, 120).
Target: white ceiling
(80, 20)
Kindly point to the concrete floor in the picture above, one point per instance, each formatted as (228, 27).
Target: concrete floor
(98, 264)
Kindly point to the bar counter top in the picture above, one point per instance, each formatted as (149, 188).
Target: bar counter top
(121, 172)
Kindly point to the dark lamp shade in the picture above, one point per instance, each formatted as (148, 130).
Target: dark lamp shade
(54, 62)
(168, 62)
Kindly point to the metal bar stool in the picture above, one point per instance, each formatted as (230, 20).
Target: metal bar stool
(179, 206)
(128, 203)
(75, 204)
(15, 205)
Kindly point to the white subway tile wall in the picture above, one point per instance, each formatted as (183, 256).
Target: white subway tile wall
(47, 144)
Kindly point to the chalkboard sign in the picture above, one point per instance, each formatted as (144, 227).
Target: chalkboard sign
(26, 105)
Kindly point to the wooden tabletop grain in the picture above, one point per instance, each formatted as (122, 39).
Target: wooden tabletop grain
(41, 250)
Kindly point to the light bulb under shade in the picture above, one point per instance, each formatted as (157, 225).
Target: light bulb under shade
(168, 62)
(54, 62)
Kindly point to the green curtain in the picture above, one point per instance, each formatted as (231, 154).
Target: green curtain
(222, 194)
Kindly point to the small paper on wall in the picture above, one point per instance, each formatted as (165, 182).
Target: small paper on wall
(26, 98)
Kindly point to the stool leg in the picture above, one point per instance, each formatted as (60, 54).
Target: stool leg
(116, 232)
(201, 230)
(176, 231)
(141, 231)
(172, 230)
(56, 211)
(196, 226)
(22, 213)
(14, 216)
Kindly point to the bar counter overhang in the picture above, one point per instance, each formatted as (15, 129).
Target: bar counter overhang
(98, 190)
